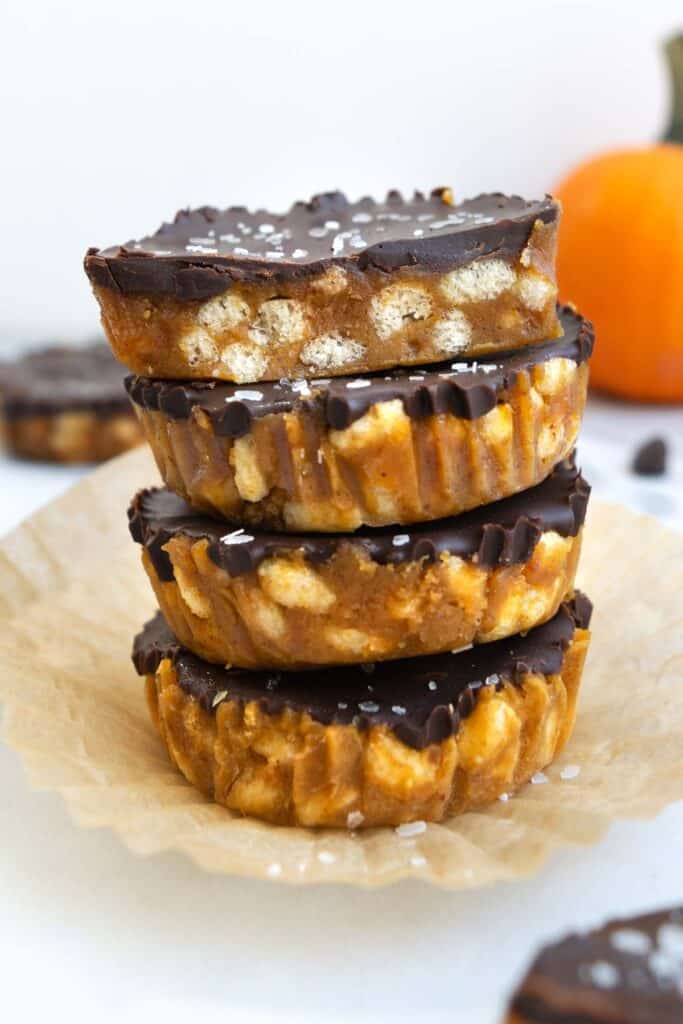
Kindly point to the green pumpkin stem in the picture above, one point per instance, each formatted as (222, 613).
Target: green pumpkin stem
(674, 57)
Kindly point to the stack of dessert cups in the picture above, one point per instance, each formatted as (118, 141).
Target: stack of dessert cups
(364, 556)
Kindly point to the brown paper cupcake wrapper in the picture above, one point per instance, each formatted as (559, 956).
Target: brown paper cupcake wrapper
(73, 596)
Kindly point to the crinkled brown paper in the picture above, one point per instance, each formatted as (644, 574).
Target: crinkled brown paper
(73, 595)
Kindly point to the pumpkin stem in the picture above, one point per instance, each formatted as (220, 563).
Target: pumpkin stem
(674, 58)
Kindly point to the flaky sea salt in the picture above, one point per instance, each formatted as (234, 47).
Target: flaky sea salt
(670, 939)
(237, 537)
(410, 829)
(631, 940)
(248, 395)
(603, 974)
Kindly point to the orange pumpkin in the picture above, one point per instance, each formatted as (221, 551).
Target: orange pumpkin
(620, 259)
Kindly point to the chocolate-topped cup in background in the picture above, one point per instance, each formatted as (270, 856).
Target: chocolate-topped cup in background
(629, 971)
(66, 404)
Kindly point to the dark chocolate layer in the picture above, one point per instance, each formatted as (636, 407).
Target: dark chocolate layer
(421, 699)
(56, 380)
(204, 252)
(464, 389)
(502, 533)
(629, 971)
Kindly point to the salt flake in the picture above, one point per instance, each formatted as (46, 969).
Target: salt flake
(237, 537)
(410, 829)
(631, 940)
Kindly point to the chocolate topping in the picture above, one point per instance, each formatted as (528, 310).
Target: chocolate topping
(56, 380)
(502, 533)
(464, 389)
(400, 694)
(629, 970)
(204, 252)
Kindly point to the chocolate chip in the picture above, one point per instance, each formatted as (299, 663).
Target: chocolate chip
(650, 458)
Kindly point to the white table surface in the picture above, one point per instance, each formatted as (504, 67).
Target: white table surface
(89, 929)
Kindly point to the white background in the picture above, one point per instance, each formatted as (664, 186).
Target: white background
(111, 117)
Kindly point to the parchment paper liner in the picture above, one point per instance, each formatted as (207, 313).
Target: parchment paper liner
(73, 595)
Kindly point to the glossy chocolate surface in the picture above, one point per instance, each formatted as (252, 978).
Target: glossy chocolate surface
(502, 533)
(203, 252)
(422, 700)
